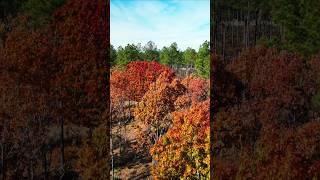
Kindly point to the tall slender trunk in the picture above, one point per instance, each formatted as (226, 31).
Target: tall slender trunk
(215, 31)
(3, 165)
(248, 26)
(120, 130)
(111, 147)
(45, 165)
(224, 42)
(3, 173)
(29, 173)
(244, 29)
(232, 30)
(31, 170)
(62, 143)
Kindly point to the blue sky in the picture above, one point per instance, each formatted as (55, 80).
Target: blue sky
(185, 22)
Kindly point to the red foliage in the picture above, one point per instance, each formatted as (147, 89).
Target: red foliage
(58, 70)
(197, 88)
(134, 81)
(267, 129)
(79, 42)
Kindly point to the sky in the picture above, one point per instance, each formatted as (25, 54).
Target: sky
(186, 22)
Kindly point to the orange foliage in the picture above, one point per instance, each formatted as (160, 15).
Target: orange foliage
(155, 106)
(170, 110)
(183, 102)
(183, 152)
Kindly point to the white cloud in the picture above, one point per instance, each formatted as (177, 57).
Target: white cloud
(185, 22)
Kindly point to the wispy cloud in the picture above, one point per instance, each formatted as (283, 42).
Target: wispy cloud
(162, 21)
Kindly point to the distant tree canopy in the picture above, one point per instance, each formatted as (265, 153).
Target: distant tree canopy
(171, 56)
(151, 52)
(203, 60)
(189, 56)
(301, 23)
(41, 11)
(9, 8)
(113, 55)
(287, 24)
(127, 54)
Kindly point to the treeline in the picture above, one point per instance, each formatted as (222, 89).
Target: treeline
(288, 25)
(171, 56)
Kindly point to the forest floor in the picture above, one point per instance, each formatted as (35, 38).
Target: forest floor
(134, 163)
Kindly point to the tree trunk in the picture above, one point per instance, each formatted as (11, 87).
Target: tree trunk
(31, 170)
(224, 42)
(62, 142)
(2, 163)
(232, 30)
(215, 31)
(111, 148)
(45, 165)
(3, 173)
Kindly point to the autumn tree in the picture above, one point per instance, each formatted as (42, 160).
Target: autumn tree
(134, 81)
(183, 152)
(78, 47)
(156, 105)
(26, 67)
(260, 126)
(128, 86)
(197, 88)
(51, 82)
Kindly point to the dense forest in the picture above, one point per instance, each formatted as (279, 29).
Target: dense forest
(160, 112)
(257, 118)
(54, 101)
(267, 117)
(55, 107)
(171, 56)
(159, 120)
(265, 90)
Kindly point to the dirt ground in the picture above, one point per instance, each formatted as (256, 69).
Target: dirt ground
(132, 164)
